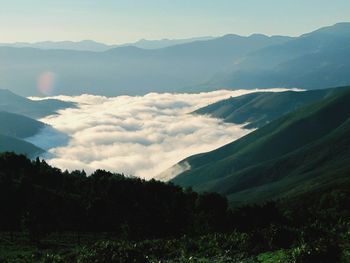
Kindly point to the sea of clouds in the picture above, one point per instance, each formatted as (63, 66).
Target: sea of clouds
(135, 135)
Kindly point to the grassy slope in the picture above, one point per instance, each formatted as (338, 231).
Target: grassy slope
(317, 166)
(286, 154)
(258, 109)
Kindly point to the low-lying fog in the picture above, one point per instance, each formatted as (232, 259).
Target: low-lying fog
(141, 136)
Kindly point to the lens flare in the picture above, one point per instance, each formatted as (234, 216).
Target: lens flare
(46, 83)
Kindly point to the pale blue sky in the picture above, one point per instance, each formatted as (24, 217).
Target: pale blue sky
(120, 21)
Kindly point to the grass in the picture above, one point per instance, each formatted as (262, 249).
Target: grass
(19, 249)
(301, 145)
(101, 247)
(279, 256)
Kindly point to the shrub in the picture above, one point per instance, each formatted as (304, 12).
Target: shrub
(321, 251)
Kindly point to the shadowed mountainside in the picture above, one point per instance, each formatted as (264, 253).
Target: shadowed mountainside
(17, 118)
(12, 144)
(13, 103)
(14, 129)
(18, 126)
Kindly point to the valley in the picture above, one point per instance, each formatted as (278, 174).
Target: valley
(174, 132)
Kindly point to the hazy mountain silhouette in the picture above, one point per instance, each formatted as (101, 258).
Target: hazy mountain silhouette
(84, 45)
(13, 103)
(162, 43)
(125, 70)
(18, 126)
(90, 45)
(14, 129)
(314, 60)
(12, 144)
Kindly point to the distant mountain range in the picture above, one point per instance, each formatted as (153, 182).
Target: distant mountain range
(317, 59)
(306, 150)
(314, 60)
(156, 44)
(85, 45)
(90, 45)
(125, 70)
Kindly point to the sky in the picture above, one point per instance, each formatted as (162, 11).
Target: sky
(123, 21)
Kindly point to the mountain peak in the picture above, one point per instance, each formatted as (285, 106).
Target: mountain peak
(231, 36)
(257, 35)
(342, 28)
(7, 92)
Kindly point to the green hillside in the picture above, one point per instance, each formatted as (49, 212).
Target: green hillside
(18, 126)
(298, 152)
(260, 108)
(12, 144)
(11, 102)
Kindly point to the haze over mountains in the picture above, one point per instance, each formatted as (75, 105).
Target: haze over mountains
(230, 62)
(84, 45)
(317, 59)
(125, 70)
(233, 146)
(155, 44)
(301, 149)
(312, 61)
(90, 45)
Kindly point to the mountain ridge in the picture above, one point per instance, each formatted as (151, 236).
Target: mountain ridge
(13, 103)
(240, 165)
(284, 65)
(12, 144)
(256, 109)
(126, 70)
(315, 59)
(19, 126)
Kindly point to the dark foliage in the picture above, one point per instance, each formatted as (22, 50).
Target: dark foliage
(41, 199)
(106, 217)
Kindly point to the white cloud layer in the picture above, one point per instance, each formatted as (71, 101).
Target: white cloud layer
(141, 136)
